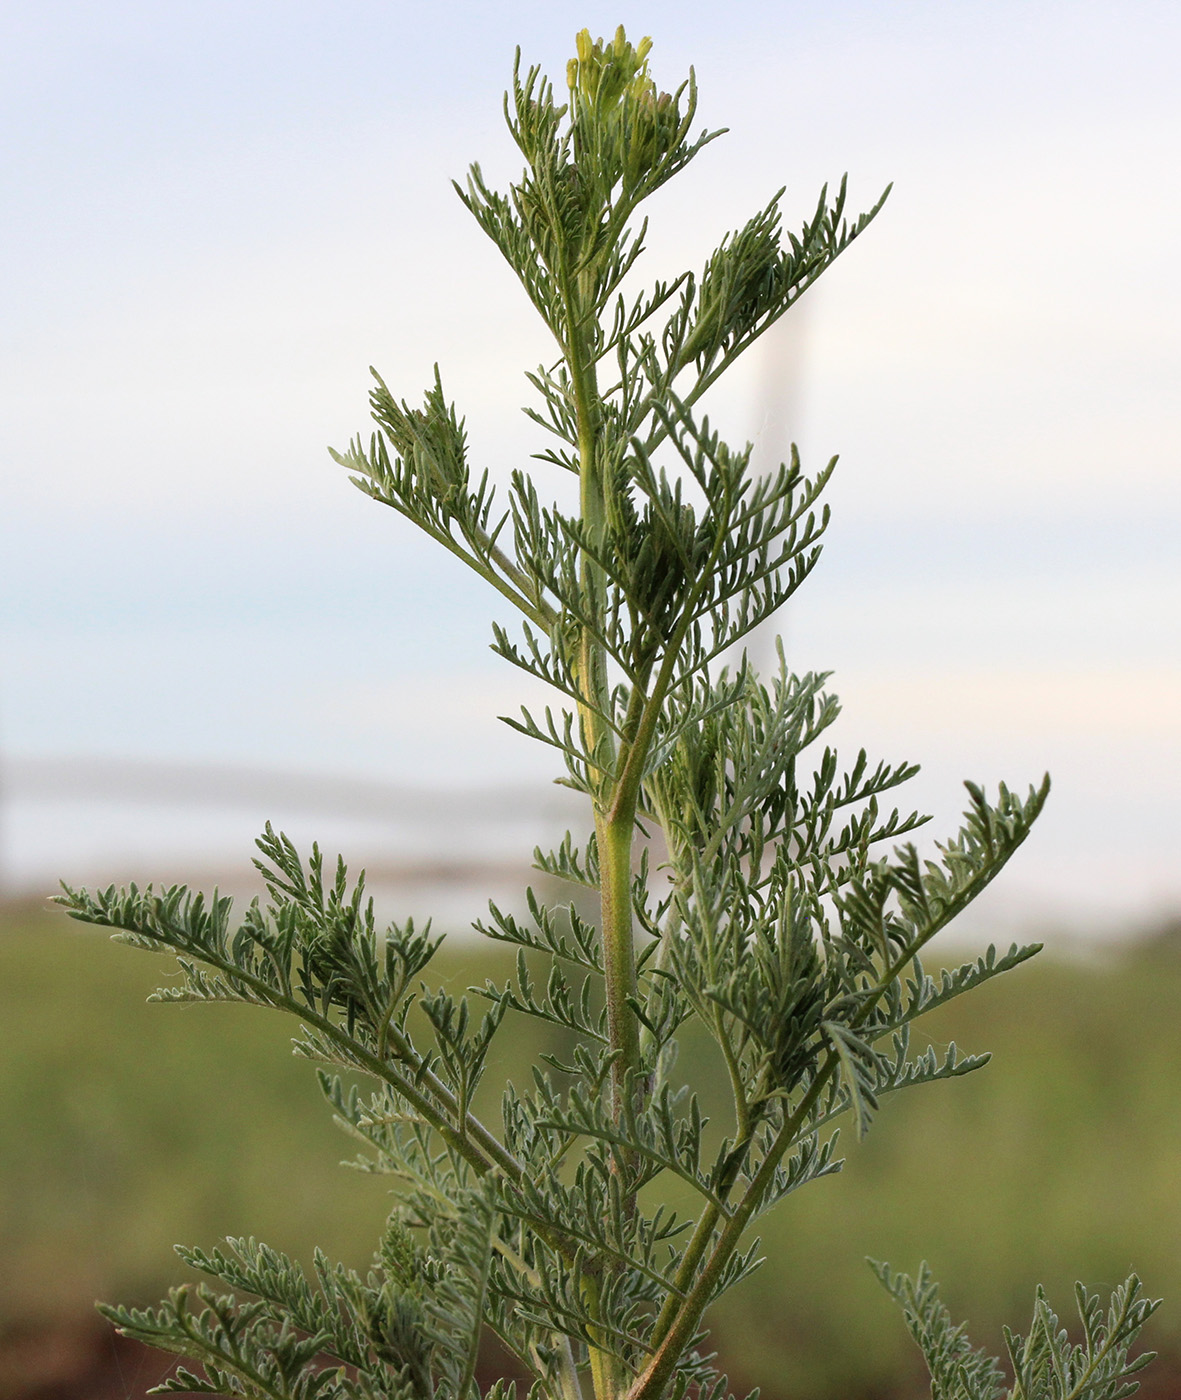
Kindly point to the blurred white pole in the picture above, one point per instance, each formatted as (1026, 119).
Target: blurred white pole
(778, 421)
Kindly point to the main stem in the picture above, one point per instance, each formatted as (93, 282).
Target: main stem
(614, 821)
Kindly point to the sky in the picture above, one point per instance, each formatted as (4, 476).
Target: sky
(218, 216)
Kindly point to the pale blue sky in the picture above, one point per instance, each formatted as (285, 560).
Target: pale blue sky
(218, 215)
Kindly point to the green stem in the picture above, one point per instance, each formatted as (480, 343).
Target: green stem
(614, 823)
(687, 1269)
(619, 961)
(614, 833)
(707, 1222)
(670, 1346)
(571, 1386)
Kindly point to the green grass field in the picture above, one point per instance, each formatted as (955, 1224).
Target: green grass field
(128, 1127)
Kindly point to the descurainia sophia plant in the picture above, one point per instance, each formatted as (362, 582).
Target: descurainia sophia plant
(747, 888)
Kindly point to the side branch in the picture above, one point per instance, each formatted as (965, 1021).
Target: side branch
(670, 1347)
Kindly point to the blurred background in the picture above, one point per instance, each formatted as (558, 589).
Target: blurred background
(217, 217)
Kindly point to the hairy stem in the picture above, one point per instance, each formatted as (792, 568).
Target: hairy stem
(615, 834)
(670, 1346)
